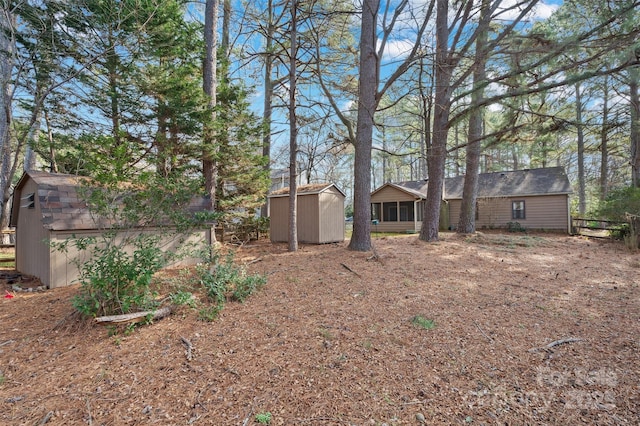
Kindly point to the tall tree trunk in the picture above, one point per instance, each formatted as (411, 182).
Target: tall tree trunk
(436, 154)
(210, 82)
(226, 28)
(7, 50)
(582, 201)
(426, 98)
(634, 78)
(114, 99)
(53, 164)
(32, 139)
(361, 237)
(604, 141)
(268, 97)
(293, 133)
(467, 220)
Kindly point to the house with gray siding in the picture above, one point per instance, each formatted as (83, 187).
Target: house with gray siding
(534, 198)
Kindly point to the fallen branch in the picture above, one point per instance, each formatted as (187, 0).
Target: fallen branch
(135, 317)
(350, 270)
(189, 347)
(46, 418)
(7, 342)
(375, 256)
(482, 331)
(556, 343)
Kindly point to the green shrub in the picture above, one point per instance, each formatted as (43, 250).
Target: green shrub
(422, 322)
(247, 285)
(263, 418)
(115, 282)
(223, 280)
(515, 227)
(618, 203)
(182, 297)
(117, 266)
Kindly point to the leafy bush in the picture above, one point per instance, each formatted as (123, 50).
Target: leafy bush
(422, 322)
(115, 282)
(223, 280)
(515, 227)
(247, 285)
(117, 266)
(263, 418)
(618, 203)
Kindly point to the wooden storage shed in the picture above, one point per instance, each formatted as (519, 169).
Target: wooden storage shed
(47, 208)
(320, 214)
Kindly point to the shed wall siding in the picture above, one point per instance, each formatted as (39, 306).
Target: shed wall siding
(331, 217)
(308, 218)
(542, 212)
(320, 217)
(32, 249)
(279, 219)
(64, 265)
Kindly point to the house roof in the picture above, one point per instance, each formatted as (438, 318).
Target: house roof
(62, 205)
(528, 182)
(308, 189)
(417, 188)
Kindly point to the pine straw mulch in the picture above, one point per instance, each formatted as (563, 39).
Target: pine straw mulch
(529, 329)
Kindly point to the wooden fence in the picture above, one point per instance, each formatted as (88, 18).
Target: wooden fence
(7, 238)
(599, 228)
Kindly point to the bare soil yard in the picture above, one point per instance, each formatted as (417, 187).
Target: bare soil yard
(488, 329)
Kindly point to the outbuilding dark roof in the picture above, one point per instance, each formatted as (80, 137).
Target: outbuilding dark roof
(307, 189)
(518, 183)
(62, 204)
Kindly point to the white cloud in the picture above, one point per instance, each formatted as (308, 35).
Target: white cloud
(397, 49)
(540, 11)
(347, 105)
(544, 10)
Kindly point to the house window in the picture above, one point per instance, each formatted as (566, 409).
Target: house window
(375, 211)
(406, 211)
(517, 210)
(477, 211)
(389, 212)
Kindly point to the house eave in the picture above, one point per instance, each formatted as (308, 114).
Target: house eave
(415, 194)
(534, 194)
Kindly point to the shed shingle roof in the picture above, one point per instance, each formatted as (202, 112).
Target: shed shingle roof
(307, 189)
(63, 206)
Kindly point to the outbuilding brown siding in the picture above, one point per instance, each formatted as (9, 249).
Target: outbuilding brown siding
(320, 214)
(47, 210)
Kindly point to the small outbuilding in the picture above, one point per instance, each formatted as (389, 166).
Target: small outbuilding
(531, 198)
(48, 209)
(320, 214)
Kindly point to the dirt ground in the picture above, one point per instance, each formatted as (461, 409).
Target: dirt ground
(518, 329)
